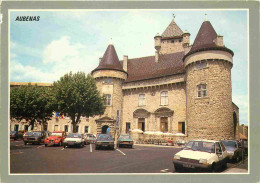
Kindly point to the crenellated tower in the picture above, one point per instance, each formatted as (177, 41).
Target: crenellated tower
(208, 86)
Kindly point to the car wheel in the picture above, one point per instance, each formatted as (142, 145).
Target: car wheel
(60, 144)
(64, 146)
(25, 143)
(224, 166)
(46, 145)
(96, 147)
(177, 168)
(214, 167)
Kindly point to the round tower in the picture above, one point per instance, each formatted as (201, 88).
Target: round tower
(208, 87)
(109, 76)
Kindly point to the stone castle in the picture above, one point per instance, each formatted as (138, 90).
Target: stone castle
(181, 89)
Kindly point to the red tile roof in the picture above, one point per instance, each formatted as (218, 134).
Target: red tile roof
(172, 30)
(110, 60)
(146, 67)
(205, 40)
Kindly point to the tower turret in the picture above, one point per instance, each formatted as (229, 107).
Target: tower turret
(208, 84)
(157, 46)
(109, 76)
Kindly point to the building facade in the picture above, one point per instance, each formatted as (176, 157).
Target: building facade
(181, 89)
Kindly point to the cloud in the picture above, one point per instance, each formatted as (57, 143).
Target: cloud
(61, 49)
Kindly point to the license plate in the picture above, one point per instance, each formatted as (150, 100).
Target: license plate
(188, 166)
(125, 142)
(71, 143)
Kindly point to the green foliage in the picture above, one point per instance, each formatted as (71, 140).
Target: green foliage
(31, 103)
(77, 95)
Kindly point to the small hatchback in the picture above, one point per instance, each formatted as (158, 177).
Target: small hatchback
(104, 140)
(125, 140)
(201, 154)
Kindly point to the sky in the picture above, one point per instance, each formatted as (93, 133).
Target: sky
(64, 41)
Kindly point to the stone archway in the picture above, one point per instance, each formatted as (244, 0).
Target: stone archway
(104, 129)
(163, 117)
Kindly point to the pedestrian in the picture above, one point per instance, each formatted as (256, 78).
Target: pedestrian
(108, 130)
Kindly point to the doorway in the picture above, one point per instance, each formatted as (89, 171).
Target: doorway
(16, 128)
(164, 124)
(141, 124)
(104, 129)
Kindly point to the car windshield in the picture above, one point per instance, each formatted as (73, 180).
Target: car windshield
(201, 146)
(34, 134)
(90, 136)
(56, 134)
(125, 137)
(74, 135)
(104, 137)
(230, 143)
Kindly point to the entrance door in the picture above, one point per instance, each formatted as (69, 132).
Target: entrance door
(181, 127)
(164, 124)
(141, 124)
(104, 129)
(56, 128)
(128, 126)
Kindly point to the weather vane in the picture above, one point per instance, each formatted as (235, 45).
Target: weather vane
(173, 15)
(111, 41)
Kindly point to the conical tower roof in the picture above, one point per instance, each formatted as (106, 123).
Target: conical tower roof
(110, 60)
(172, 30)
(205, 40)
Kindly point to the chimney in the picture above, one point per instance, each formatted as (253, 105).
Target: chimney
(100, 59)
(125, 58)
(219, 40)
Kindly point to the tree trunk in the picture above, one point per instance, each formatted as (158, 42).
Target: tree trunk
(74, 127)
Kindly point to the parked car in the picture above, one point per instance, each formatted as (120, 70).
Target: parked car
(35, 137)
(244, 144)
(201, 154)
(104, 140)
(125, 140)
(234, 150)
(74, 139)
(55, 138)
(89, 138)
(14, 135)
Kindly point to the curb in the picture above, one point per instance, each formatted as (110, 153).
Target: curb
(151, 145)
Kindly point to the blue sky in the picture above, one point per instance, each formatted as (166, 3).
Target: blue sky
(64, 41)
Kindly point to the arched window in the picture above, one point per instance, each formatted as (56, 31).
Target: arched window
(141, 100)
(164, 98)
(201, 90)
(107, 99)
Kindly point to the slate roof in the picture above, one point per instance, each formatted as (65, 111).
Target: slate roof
(205, 40)
(110, 60)
(172, 30)
(146, 68)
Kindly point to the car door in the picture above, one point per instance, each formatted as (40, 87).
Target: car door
(219, 153)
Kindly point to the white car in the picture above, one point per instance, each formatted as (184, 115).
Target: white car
(202, 154)
(74, 139)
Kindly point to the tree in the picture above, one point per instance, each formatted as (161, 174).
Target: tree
(32, 103)
(77, 95)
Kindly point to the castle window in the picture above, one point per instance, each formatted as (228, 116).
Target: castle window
(108, 80)
(141, 101)
(164, 98)
(201, 65)
(107, 99)
(202, 90)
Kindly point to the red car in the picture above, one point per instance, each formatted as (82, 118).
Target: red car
(56, 138)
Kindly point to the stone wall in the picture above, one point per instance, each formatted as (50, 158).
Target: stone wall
(210, 117)
(171, 46)
(176, 103)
